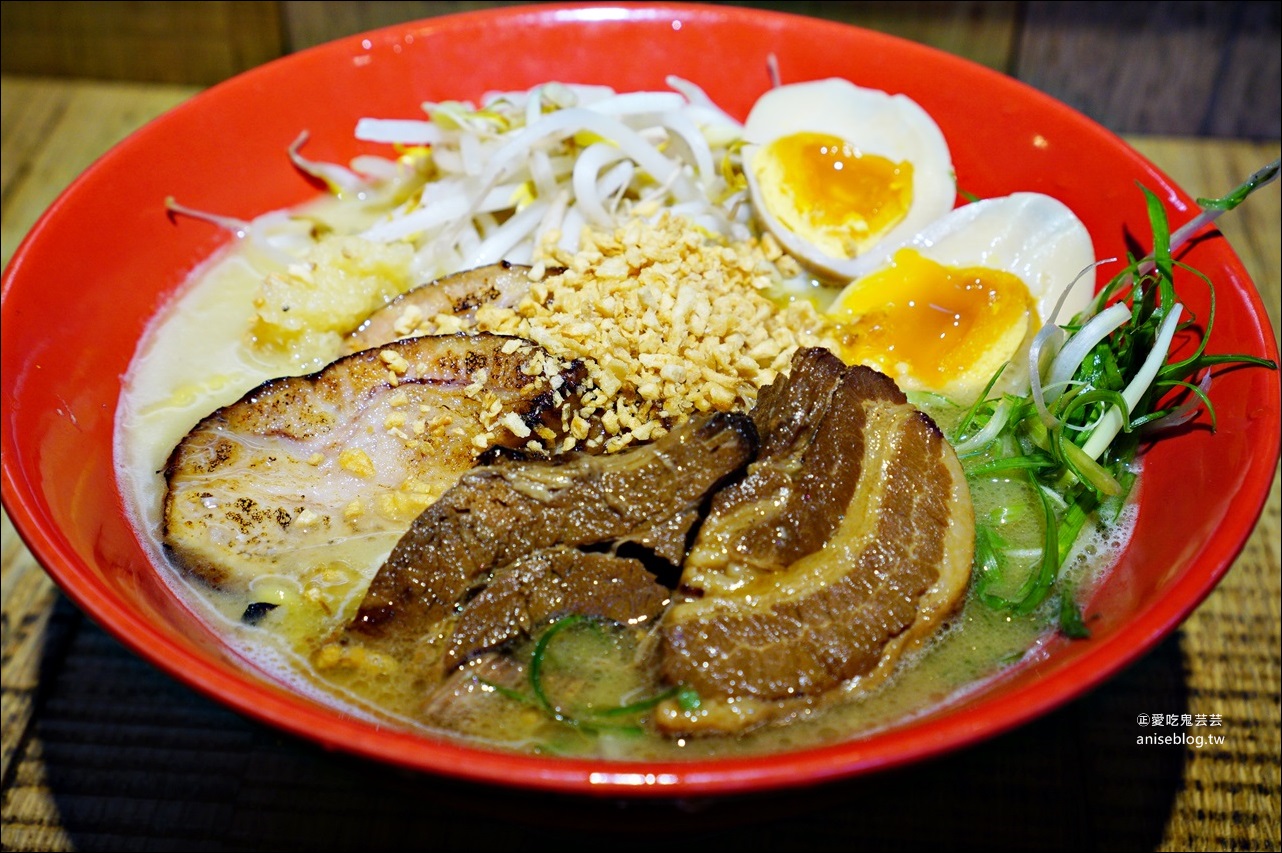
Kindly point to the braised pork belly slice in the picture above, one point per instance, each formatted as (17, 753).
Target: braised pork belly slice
(335, 466)
(463, 702)
(849, 540)
(547, 585)
(471, 557)
(502, 285)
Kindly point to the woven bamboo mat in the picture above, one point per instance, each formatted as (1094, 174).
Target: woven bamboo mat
(120, 757)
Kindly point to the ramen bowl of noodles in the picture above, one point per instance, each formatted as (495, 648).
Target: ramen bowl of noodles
(586, 274)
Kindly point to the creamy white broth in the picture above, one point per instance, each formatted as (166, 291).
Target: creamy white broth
(193, 359)
(437, 207)
(196, 357)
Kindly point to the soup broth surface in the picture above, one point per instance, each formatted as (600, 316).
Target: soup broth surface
(196, 357)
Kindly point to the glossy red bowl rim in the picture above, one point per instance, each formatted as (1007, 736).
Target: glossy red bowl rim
(270, 704)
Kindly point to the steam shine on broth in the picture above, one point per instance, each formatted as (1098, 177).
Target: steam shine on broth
(283, 306)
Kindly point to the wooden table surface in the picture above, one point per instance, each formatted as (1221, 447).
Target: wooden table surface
(101, 751)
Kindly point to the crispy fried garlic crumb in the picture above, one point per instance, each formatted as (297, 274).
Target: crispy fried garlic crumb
(669, 320)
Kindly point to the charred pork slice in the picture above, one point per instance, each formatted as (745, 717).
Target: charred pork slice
(850, 538)
(502, 285)
(302, 468)
(500, 517)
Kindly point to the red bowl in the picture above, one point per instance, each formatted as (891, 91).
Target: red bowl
(105, 257)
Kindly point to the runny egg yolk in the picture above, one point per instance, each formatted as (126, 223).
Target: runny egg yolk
(932, 327)
(825, 190)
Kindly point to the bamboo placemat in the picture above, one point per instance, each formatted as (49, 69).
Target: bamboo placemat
(103, 752)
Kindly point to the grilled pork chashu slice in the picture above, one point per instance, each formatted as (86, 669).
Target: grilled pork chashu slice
(849, 541)
(335, 466)
(501, 285)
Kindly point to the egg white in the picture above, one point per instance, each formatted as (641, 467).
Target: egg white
(871, 121)
(1032, 236)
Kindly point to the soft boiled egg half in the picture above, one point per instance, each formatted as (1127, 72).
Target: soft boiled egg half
(966, 294)
(837, 171)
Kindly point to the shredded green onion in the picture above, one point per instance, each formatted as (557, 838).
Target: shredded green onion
(1075, 434)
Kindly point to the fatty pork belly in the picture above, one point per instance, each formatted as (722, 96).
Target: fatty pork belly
(336, 465)
(519, 542)
(849, 540)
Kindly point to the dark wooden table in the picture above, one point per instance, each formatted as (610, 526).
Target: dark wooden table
(103, 752)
